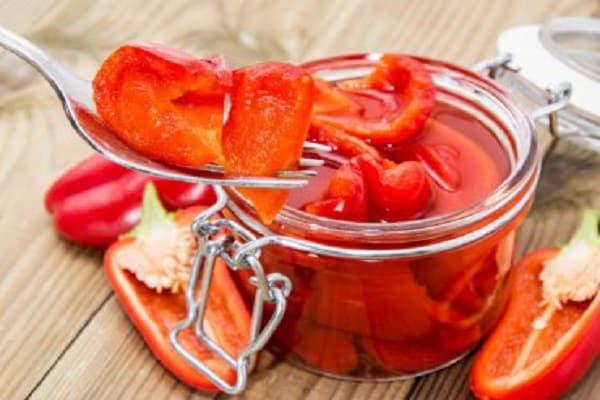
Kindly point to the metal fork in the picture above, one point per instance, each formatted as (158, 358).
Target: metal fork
(75, 94)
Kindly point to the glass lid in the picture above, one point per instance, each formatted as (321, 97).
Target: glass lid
(563, 50)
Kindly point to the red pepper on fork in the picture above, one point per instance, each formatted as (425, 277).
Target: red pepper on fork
(97, 200)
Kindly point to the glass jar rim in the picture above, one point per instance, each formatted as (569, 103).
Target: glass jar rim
(524, 168)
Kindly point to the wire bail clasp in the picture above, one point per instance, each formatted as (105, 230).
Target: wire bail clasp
(223, 238)
(558, 98)
(558, 95)
(496, 66)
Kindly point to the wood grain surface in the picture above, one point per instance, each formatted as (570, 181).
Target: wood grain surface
(62, 332)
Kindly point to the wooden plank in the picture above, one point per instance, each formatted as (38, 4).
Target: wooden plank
(275, 380)
(63, 335)
(109, 360)
(49, 288)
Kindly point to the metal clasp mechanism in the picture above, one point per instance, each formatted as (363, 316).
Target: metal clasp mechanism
(558, 98)
(223, 238)
(558, 95)
(494, 67)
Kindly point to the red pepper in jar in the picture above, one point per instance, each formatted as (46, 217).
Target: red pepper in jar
(97, 200)
(371, 189)
(550, 333)
(329, 99)
(371, 303)
(346, 196)
(341, 142)
(404, 112)
(148, 270)
(398, 191)
(323, 348)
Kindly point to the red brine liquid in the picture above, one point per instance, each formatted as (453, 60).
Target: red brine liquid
(404, 316)
(464, 160)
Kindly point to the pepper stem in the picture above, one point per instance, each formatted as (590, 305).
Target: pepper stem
(589, 229)
(574, 273)
(154, 214)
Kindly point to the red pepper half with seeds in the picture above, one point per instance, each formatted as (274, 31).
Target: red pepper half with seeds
(148, 270)
(550, 333)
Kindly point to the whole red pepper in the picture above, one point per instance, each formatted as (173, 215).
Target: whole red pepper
(97, 200)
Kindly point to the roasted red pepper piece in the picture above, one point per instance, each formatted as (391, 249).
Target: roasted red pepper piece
(401, 296)
(158, 243)
(421, 355)
(330, 100)
(341, 142)
(367, 189)
(346, 197)
(362, 303)
(322, 348)
(268, 123)
(441, 172)
(451, 159)
(414, 97)
(550, 333)
(338, 297)
(400, 192)
(97, 200)
(164, 103)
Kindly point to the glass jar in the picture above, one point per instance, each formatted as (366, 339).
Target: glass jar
(396, 300)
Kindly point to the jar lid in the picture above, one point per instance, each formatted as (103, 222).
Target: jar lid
(563, 50)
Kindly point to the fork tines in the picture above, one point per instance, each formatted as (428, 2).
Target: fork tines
(313, 147)
(309, 148)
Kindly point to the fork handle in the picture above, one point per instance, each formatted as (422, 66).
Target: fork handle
(30, 53)
(53, 71)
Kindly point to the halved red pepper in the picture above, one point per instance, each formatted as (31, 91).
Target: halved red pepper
(412, 99)
(550, 332)
(268, 123)
(164, 103)
(97, 200)
(148, 270)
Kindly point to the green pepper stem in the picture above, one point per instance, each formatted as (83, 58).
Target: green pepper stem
(589, 229)
(154, 214)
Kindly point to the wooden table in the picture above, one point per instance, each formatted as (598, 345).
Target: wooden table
(62, 332)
